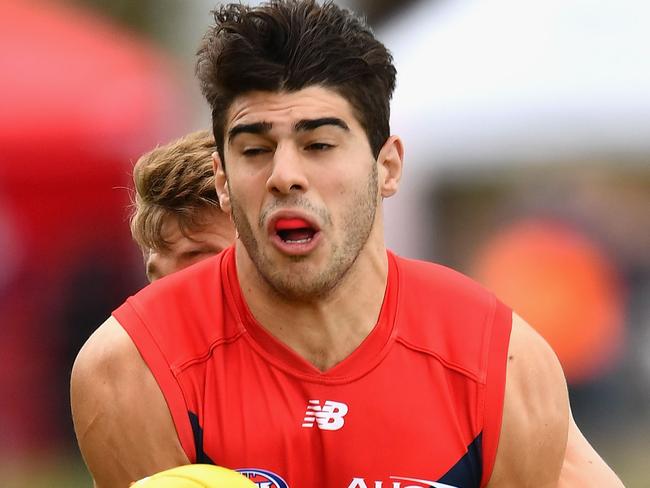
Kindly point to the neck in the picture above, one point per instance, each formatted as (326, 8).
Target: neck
(325, 330)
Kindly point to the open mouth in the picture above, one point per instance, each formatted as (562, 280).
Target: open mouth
(295, 231)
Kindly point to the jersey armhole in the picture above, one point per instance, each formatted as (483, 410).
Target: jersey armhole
(495, 381)
(129, 319)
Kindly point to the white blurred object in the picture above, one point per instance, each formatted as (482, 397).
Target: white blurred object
(512, 79)
(503, 82)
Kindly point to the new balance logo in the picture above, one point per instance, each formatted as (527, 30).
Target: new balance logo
(329, 416)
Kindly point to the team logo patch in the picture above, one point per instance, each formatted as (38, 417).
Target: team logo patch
(263, 478)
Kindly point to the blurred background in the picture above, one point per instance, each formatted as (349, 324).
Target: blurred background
(527, 133)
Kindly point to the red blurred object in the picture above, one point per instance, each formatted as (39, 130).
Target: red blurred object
(80, 100)
(564, 285)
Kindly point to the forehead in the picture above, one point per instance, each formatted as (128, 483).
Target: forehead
(207, 222)
(286, 108)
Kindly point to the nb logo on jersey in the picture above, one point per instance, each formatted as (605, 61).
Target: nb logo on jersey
(329, 416)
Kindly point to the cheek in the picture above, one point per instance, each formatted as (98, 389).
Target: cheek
(350, 185)
(195, 259)
(223, 231)
(171, 266)
(246, 187)
(162, 265)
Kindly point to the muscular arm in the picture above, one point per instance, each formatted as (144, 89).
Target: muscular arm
(540, 445)
(583, 466)
(535, 414)
(123, 425)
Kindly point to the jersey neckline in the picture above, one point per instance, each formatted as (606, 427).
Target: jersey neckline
(361, 361)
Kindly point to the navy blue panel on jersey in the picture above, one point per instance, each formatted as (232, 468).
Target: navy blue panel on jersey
(197, 430)
(467, 472)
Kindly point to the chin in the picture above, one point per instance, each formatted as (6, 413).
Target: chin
(304, 282)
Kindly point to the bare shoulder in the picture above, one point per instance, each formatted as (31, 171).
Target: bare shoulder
(535, 422)
(121, 419)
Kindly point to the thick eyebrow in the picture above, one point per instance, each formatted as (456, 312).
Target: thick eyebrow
(304, 125)
(255, 128)
(313, 124)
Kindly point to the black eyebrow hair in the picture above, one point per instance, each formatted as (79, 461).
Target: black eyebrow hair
(301, 126)
(255, 128)
(313, 124)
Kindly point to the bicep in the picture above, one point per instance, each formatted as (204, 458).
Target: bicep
(122, 422)
(535, 414)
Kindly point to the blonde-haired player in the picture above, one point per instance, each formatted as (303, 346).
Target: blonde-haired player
(177, 219)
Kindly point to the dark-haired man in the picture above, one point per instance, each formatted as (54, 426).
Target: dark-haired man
(307, 354)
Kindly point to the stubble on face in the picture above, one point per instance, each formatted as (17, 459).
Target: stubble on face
(304, 283)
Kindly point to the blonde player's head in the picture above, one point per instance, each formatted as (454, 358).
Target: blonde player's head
(177, 219)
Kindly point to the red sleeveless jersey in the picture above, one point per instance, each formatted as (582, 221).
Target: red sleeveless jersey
(417, 404)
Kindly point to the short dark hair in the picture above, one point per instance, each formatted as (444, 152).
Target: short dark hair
(288, 45)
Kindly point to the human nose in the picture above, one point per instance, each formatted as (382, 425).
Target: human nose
(287, 173)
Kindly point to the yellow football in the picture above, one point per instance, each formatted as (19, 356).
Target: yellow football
(195, 476)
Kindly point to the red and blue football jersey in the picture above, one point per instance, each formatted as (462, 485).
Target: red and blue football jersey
(417, 404)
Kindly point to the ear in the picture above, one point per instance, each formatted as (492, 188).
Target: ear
(221, 183)
(390, 161)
